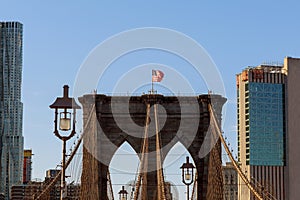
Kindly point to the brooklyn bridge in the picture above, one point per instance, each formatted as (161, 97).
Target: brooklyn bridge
(152, 124)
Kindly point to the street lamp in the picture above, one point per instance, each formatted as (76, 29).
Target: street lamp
(123, 194)
(65, 108)
(187, 174)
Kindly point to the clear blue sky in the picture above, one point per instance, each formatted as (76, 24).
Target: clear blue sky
(58, 36)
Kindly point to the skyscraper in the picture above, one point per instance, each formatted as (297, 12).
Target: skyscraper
(11, 107)
(262, 129)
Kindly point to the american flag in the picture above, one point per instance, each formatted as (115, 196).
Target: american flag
(157, 75)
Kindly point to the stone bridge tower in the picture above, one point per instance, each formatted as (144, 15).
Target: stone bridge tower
(118, 119)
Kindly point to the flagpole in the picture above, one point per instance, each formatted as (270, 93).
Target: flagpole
(152, 90)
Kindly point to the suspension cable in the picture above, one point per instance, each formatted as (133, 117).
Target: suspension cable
(160, 178)
(194, 186)
(241, 174)
(144, 159)
(110, 185)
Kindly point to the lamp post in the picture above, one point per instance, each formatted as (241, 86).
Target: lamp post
(65, 108)
(187, 175)
(123, 194)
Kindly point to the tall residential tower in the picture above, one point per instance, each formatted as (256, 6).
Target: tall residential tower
(11, 107)
(261, 129)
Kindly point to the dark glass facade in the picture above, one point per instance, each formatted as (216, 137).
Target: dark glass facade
(265, 130)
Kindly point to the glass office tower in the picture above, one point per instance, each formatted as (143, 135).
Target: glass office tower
(265, 120)
(11, 107)
(261, 128)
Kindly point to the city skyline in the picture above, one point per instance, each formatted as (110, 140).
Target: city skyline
(234, 38)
